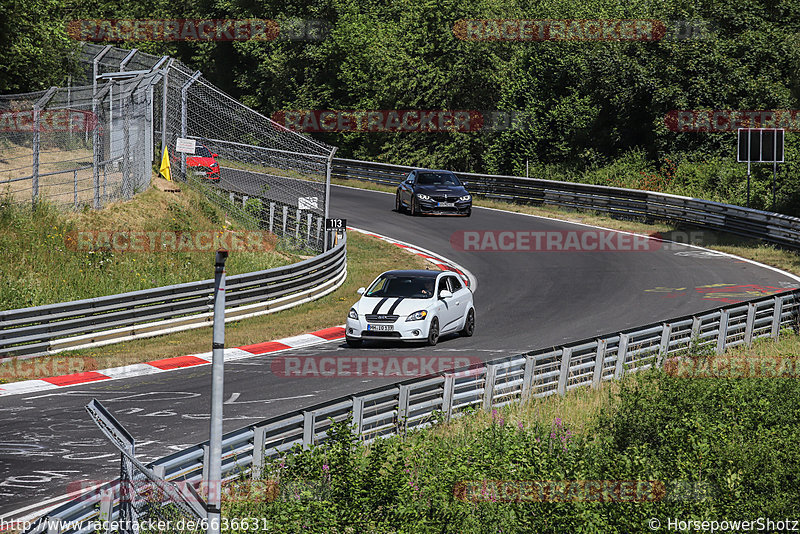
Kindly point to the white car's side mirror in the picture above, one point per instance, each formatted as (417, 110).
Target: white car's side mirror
(361, 290)
(445, 294)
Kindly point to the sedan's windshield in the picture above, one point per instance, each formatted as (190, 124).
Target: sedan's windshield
(404, 286)
(437, 178)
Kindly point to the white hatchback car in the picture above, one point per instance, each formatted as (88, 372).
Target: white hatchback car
(411, 306)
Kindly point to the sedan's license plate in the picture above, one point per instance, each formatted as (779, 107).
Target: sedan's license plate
(380, 327)
(445, 205)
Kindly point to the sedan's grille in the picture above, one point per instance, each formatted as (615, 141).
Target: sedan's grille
(377, 333)
(372, 318)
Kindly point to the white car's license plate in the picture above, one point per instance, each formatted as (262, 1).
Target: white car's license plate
(445, 204)
(380, 327)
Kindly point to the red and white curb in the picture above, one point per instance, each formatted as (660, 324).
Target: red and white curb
(231, 354)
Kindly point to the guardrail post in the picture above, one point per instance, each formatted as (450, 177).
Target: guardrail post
(527, 377)
(566, 354)
(402, 409)
(776, 317)
(308, 429)
(106, 507)
(666, 334)
(695, 329)
(488, 386)
(447, 396)
(622, 353)
(750, 324)
(285, 216)
(723, 331)
(206, 452)
(259, 440)
(599, 360)
(271, 216)
(358, 415)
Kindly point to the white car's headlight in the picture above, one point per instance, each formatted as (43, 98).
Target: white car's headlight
(417, 316)
(464, 198)
(423, 197)
(352, 314)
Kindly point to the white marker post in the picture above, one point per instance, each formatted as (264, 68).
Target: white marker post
(214, 482)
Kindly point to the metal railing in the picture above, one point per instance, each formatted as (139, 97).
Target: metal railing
(650, 206)
(102, 320)
(413, 404)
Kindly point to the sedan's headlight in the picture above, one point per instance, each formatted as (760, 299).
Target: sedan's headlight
(417, 316)
(464, 198)
(352, 314)
(423, 197)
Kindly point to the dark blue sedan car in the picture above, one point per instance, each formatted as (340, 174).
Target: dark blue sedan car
(433, 191)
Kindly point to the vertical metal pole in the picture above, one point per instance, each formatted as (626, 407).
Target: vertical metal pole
(75, 190)
(184, 114)
(96, 152)
(35, 143)
(165, 78)
(127, 186)
(328, 166)
(526, 169)
(214, 488)
(748, 169)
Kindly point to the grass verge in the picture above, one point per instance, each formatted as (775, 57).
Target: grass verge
(367, 257)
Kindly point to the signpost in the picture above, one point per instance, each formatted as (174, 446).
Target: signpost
(760, 145)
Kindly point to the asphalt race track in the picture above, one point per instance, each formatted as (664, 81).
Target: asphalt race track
(524, 301)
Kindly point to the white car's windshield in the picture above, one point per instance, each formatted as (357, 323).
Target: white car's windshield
(404, 286)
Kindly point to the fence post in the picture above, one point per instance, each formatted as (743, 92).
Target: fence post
(106, 506)
(723, 331)
(750, 324)
(622, 352)
(488, 386)
(566, 354)
(599, 359)
(447, 396)
(285, 215)
(358, 415)
(695, 329)
(127, 186)
(776, 317)
(37, 108)
(527, 377)
(328, 165)
(666, 334)
(259, 440)
(271, 216)
(164, 103)
(308, 227)
(297, 225)
(308, 429)
(184, 112)
(75, 188)
(402, 409)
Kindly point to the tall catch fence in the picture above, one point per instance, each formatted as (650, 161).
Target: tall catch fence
(265, 175)
(98, 140)
(76, 146)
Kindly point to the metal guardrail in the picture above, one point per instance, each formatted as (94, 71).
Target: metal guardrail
(775, 228)
(102, 320)
(412, 404)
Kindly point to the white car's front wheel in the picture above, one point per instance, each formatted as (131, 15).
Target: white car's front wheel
(433, 332)
(469, 324)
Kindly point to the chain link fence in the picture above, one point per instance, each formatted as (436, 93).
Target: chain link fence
(263, 174)
(76, 146)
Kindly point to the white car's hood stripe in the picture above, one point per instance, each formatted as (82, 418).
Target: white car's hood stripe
(399, 306)
(379, 304)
